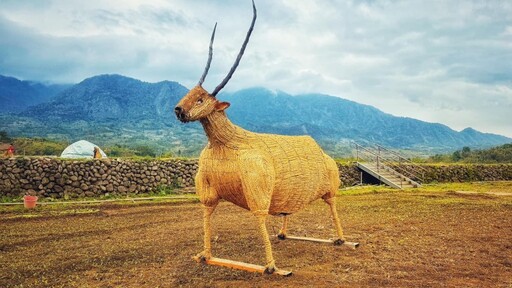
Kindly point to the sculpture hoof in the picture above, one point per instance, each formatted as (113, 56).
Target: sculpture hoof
(338, 242)
(281, 236)
(201, 257)
(270, 270)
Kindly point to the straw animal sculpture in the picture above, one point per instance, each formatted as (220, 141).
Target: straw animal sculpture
(264, 173)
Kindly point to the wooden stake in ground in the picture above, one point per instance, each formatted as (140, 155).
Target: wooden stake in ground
(264, 173)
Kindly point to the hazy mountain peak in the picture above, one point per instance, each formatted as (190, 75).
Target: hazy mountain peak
(468, 130)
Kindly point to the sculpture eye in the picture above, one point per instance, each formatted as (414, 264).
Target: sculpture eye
(199, 101)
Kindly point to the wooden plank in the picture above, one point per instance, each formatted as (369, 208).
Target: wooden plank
(310, 239)
(243, 266)
(352, 245)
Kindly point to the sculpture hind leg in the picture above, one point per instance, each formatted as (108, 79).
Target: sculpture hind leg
(340, 240)
(337, 223)
(270, 265)
(333, 177)
(282, 232)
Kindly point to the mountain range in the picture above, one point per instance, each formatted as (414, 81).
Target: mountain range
(16, 95)
(114, 109)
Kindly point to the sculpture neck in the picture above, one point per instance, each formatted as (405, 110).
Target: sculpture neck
(219, 130)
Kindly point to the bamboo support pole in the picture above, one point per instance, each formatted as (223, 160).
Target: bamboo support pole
(243, 266)
(352, 245)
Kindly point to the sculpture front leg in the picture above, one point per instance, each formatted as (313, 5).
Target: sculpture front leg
(258, 178)
(209, 197)
(207, 252)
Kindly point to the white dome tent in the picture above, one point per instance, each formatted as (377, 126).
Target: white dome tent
(81, 149)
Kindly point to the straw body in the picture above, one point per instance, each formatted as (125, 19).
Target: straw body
(274, 173)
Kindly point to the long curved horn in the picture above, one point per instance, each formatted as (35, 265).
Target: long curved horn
(210, 55)
(237, 61)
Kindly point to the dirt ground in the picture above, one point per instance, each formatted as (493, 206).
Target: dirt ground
(408, 239)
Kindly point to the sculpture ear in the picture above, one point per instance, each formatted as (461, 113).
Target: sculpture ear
(221, 106)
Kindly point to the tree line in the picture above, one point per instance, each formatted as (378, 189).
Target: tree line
(46, 147)
(499, 154)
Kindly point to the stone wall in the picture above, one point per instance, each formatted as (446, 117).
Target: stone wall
(435, 173)
(58, 178)
(68, 179)
(349, 174)
(467, 172)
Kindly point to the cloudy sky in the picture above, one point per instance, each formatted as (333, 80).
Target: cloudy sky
(442, 61)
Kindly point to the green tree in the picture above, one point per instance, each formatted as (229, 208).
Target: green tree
(456, 156)
(144, 150)
(466, 152)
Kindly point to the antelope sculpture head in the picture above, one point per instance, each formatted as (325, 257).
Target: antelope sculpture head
(198, 103)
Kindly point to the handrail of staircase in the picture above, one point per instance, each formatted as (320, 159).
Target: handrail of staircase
(406, 172)
(359, 146)
(401, 158)
(388, 161)
(362, 148)
(378, 161)
(416, 169)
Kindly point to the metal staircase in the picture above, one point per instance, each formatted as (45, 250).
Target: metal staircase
(388, 167)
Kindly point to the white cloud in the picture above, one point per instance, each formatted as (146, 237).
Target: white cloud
(438, 61)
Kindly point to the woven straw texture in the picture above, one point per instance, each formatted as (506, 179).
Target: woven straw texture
(262, 172)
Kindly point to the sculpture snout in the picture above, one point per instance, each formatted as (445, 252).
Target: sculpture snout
(180, 114)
